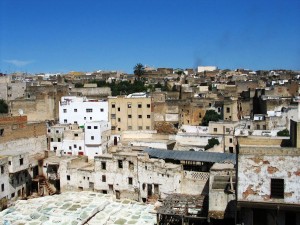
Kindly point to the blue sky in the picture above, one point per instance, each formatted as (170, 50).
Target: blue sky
(89, 35)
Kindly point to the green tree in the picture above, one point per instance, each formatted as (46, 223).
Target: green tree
(211, 143)
(78, 85)
(139, 70)
(3, 106)
(283, 133)
(210, 115)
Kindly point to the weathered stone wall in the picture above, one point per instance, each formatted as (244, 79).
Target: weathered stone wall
(256, 168)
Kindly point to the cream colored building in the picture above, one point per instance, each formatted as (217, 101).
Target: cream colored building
(131, 112)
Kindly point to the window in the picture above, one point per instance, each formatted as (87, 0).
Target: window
(92, 137)
(95, 127)
(119, 109)
(227, 110)
(113, 116)
(129, 127)
(103, 178)
(130, 180)
(75, 135)
(21, 161)
(1, 132)
(113, 127)
(113, 105)
(148, 105)
(140, 128)
(139, 105)
(84, 118)
(147, 127)
(70, 147)
(79, 147)
(89, 110)
(119, 119)
(131, 165)
(258, 126)
(120, 164)
(103, 165)
(215, 129)
(75, 122)
(277, 188)
(89, 127)
(65, 110)
(68, 177)
(51, 140)
(101, 110)
(129, 116)
(91, 118)
(230, 140)
(2, 187)
(9, 162)
(200, 115)
(57, 131)
(75, 110)
(75, 146)
(119, 129)
(140, 116)
(2, 169)
(227, 129)
(65, 121)
(148, 116)
(129, 105)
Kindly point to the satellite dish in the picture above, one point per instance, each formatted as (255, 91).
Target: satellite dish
(21, 112)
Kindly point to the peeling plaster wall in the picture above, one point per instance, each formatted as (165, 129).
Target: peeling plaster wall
(255, 172)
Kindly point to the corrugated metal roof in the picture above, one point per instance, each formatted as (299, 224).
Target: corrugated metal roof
(192, 155)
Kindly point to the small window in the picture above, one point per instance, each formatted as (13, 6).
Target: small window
(119, 129)
(215, 129)
(89, 127)
(120, 164)
(103, 165)
(227, 110)
(89, 110)
(129, 127)
(92, 138)
(70, 147)
(113, 105)
(1, 132)
(147, 127)
(230, 140)
(129, 116)
(277, 188)
(131, 165)
(65, 121)
(21, 161)
(58, 139)
(75, 135)
(148, 116)
(101, 110)
(75, 110)
(79, 147)
(227, 130)
(140, 128)
(2, 187)
(140, 116)
(84, 118)
(139, 105)
(2, 169)
(130, 180)
(65, 110)
(95, 127)
(91, 118)
(119, 109)
(9, 162)
(51, 139)
(113, 116)
(75, 146)
(57, 131)
(113, 127)
(119, 119)
(129, 105)
(257, 126)
(148, 105)
(68, 177)
(103, 178)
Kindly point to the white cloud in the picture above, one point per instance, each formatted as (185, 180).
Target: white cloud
(19, 62)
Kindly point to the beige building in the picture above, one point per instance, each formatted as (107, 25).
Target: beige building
(131, 112)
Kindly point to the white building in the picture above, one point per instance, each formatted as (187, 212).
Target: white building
(206, 68)
(96, 138)
(79, 110)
